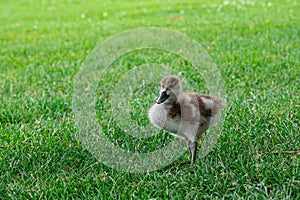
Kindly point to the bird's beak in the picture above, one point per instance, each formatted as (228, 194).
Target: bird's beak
(163, 97)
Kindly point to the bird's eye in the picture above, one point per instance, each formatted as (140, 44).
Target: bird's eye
(168, 91)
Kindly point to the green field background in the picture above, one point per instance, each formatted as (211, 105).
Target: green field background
(255, 45)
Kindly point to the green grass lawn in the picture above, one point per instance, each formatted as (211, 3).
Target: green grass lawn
(256, 46)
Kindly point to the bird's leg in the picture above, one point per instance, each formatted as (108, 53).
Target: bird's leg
(193, 149)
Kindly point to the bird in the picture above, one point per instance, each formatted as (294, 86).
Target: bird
(184, 115)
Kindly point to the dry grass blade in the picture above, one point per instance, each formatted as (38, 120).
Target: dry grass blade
(297, 152)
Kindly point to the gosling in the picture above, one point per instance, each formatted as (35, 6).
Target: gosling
(186, 116)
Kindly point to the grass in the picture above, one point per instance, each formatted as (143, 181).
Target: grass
(255, 45)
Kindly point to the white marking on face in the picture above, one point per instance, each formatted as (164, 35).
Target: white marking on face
(168, 92)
